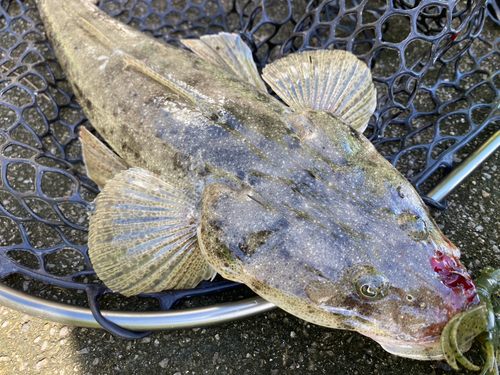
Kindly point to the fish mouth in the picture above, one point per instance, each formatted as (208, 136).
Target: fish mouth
(424, 350)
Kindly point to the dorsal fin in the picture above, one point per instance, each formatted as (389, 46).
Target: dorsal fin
(333, 81)
(229, 52)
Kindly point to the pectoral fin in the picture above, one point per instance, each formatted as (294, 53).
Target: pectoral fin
(333, 81)
(101, 163)
(143, 236)
(229, 52)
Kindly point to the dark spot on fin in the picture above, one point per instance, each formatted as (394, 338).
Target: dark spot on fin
(355, 133)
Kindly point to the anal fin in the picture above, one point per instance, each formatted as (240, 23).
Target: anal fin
(101, 163)
(143, 236)
(229, 52)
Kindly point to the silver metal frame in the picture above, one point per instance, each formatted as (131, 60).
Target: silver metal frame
(137, 321)
(466, 167)
(203, 316)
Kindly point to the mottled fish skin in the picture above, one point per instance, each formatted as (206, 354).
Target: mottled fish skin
(300, 207)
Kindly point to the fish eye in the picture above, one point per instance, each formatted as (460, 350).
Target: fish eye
(370, 284)
(368, 291)
(413, 226)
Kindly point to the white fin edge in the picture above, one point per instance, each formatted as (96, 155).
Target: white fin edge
(227, 51)
(143, 236)
(333, 81)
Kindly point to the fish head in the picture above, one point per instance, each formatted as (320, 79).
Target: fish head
(388, 274)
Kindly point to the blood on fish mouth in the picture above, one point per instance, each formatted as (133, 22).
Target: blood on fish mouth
(462, 296)
(454, 276)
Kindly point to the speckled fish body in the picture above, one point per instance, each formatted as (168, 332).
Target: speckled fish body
(319, 224)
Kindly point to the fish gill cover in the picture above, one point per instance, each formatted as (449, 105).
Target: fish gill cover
(434, 70)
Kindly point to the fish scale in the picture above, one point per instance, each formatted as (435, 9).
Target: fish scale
(292, 201)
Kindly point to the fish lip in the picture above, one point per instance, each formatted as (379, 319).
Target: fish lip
(426, 349)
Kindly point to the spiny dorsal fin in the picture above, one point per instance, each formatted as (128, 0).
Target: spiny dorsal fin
(333, 81)
(229, 52)
(101, 163)
(143, 236)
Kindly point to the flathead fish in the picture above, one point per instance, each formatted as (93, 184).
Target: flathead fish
(210, 174)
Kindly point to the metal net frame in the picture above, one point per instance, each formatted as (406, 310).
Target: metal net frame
(435, 74)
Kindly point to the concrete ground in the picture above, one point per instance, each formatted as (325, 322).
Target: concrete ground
(272, 343)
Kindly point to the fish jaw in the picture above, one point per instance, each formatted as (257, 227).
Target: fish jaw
(426, 342)
(423, 350)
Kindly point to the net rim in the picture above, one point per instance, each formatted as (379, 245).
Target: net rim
(133, 320)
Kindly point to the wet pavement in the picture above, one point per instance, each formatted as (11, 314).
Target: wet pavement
(272, 343)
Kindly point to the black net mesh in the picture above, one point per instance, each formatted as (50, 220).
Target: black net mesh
(435, 72)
